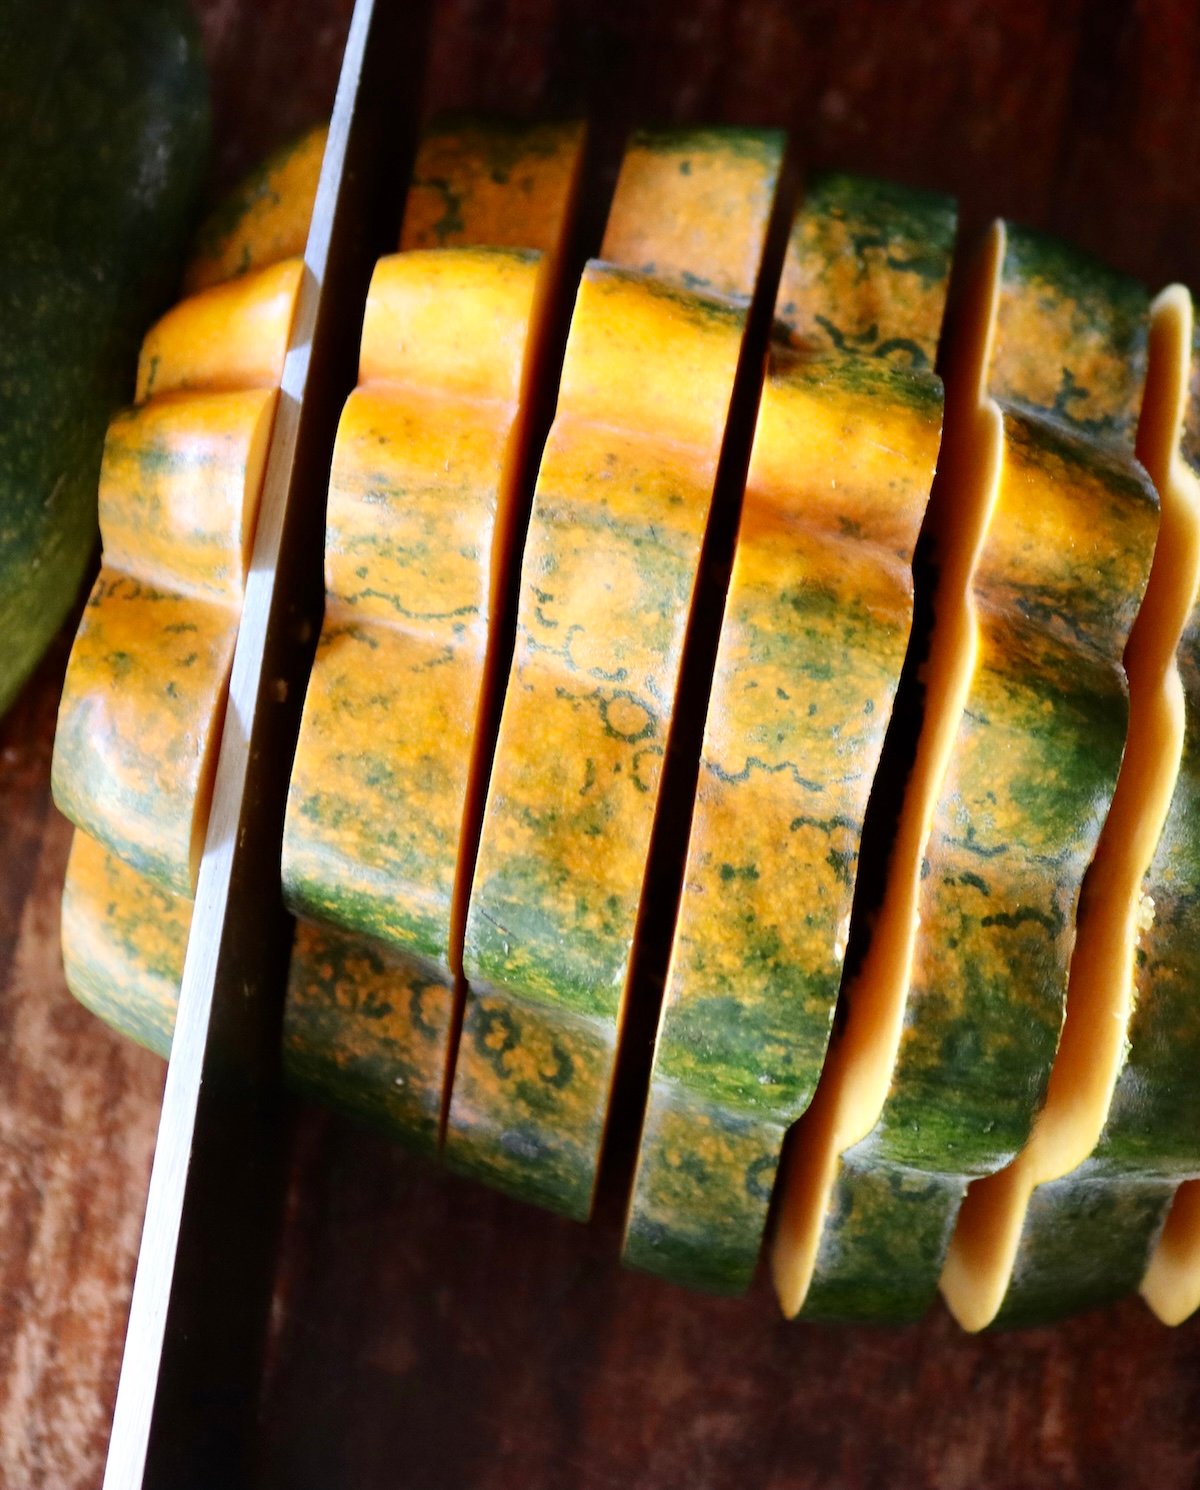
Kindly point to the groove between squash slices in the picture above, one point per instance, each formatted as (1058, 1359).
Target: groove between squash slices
(608, 580)
(859, 1067)
(374, 1025)
(428, 491)
(988, 1270)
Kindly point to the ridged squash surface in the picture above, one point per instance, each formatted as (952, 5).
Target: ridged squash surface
(426, 497)
(609, 571)
(1088, 1234)
(815, 627)
(1056, 587)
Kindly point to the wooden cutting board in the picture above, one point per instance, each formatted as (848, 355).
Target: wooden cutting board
(426, 1332)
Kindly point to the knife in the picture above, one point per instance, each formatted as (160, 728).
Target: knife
(190, 1375)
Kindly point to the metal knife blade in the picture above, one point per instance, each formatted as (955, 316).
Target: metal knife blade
(189, 1380)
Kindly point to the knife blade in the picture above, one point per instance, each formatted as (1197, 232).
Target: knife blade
(188, 1388)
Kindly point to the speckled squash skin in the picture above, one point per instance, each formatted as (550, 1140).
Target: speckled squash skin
(1056, 588)
(264, 220)
(423, 500)
(609, 568)
(124, 939)
(484, 182)
(143, 701)
(816, 623)
(368, 1029)
(621, 503)
(380, 779)
(144, 696)
(1088, 1236)
(1054, 299)
(104, 151)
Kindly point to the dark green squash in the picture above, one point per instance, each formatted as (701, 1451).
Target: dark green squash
(103, 140)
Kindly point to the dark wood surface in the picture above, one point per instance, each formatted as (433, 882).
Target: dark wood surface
(426, 1333)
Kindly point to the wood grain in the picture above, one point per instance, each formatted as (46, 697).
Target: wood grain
(78, 1109)
(426, 1332)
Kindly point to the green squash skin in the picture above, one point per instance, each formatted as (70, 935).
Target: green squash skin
(703, 1189)
(867, 271)
(551, 1069)
(1046, 714)
(1088, 1236)
(885, 1236)
(742, 1039)
(557, 887)
(1085, 1242)
(1153, 1122)
(967, 1088)
(136, 793)
(123, 956)
(364, 1028)
(106, 117)
(563, 974)
(1098, 315)
(740, 1048)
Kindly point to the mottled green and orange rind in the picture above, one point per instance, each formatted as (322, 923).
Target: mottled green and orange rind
(379, 783)
(144, 696)
(1033, 770)
(867, 269)
(609, 571)
(366, 1029)
(691, 206)
(884, 1238)
(123, 943)
(264, 219)
(814, 634)
(1088, 1236)
(483, 181)
(179, 490)
(139, 723)
(421, 513)
(142, 702)
(813, 639)
(1072, 337)
(618, 524)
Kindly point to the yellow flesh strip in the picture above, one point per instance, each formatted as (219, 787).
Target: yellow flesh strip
(1100, 992)
(1172, 1283)
(858, 1068)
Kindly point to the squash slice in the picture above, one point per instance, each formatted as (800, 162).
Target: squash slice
(1013, 1235)
(816, 622)
(427, 498)
(948, 1030)
(608, 578)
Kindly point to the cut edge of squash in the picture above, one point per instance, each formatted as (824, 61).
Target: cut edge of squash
(984, 1248)
(540, 375)
(854, 1081)
(233, 335)
(643, 1009)
(1171, 1286)
(630, 194)
(265, 218)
